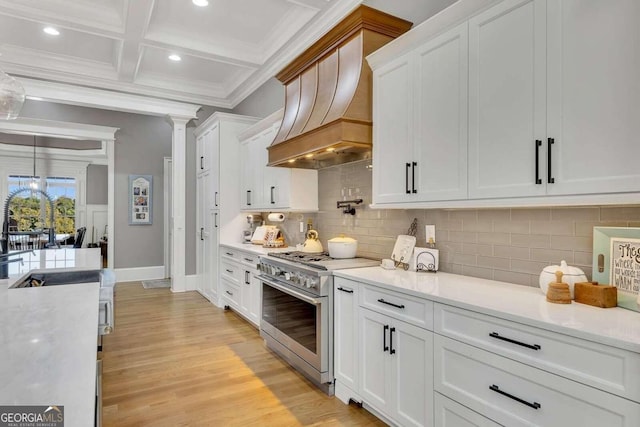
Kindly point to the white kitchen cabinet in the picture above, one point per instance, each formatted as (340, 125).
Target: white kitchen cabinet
(420, 116)
(593, 95)
(239, 272)
(266, 188)
(217, 206)
(552, 105)
(345, 367)
(507, 94)
(552, 85)
(396, 368)
(393, 131)
(515, 394)
(449, 413)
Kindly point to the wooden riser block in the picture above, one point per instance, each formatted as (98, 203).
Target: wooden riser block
(597, 295)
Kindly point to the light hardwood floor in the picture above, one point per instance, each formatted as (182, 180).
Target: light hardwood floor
(176, 360)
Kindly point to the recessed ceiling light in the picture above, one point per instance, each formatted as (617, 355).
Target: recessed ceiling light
(201, 3)
(175, 57)
(51, 31)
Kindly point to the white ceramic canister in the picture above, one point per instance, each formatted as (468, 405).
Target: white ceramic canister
(570, 275)
(343, 247)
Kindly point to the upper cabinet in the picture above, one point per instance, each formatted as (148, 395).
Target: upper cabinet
(552, 97)
(420, 117)
(265, 188)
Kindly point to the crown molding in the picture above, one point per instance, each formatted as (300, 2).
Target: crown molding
(56, 129)
(264, 124)
(310, 34)
(53, 153)
(98, 98)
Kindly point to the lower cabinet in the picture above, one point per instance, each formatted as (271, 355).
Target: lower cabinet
(396, 368)
(449, 413)
(515, 394)
(473, 369)
(240, 286)
(384, 362)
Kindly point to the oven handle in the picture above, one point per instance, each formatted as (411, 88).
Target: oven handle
(286, 290)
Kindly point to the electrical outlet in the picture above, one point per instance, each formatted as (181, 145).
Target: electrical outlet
(302, 226)
(430, 233)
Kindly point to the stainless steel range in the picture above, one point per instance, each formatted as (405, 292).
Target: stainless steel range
(297, 310)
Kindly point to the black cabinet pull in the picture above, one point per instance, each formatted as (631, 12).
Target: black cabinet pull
(215, 198)
(391, 349)
(229, 253)
(391, 304)
(230, 293)
(273, 202)
(349, 291)
(201, 231)
(246, 278)
(229, 271)
(413, 177)
(538, 145)
(384, 338)
(498, 337)
(215, 219)
(534, 405)
(248, 259)
(550, 178)
(201, 165)
(248, 197)
(406, 178)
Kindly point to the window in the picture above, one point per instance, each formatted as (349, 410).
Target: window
(29, 210)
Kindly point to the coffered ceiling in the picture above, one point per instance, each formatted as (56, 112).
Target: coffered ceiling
(227, 49)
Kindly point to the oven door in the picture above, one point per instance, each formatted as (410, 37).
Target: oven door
(298, 321)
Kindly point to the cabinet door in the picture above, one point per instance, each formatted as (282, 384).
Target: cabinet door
(276, 181)
(247, 176)
(255, 298)
(507, 99)
(594, 95)
(200, 153)
(393, 132)
(213, 256)
(375, 370)
(213, 152)
(441, 116)
(203, 221)
(346, 332)
(411, 352)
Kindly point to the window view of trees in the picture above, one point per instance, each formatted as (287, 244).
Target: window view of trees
(30, 211)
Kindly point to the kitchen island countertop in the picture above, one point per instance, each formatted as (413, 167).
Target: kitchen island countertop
(613, 326)
(48, 337)
(48, 348)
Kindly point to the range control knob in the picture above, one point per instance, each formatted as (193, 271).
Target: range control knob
(287, 275)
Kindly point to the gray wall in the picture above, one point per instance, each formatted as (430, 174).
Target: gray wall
(97, 185)
(263, 101)
(141, 145)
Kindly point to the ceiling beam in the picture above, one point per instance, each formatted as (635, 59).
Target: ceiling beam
(137, 23)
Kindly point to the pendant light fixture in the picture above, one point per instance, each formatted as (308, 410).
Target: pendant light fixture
(34, 179)
(12, 97)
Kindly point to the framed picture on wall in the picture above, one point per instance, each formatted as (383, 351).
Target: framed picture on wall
(140, 199)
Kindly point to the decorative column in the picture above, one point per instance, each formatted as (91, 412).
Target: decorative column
(178, 197)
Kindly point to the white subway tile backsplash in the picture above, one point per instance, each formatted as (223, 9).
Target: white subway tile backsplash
(511, 245)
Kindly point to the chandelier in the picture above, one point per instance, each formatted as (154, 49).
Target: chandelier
(12, 97)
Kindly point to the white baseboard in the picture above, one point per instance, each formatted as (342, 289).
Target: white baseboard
(139, 273)
(190, 284)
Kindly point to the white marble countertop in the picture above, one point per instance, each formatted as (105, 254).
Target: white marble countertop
(48, 348)
(55, 258)
(617, 327)
(255, 249)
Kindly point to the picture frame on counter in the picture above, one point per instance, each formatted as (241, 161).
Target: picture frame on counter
(140, 199)
(616, 261)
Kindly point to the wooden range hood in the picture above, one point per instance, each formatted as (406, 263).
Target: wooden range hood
(328, 94)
